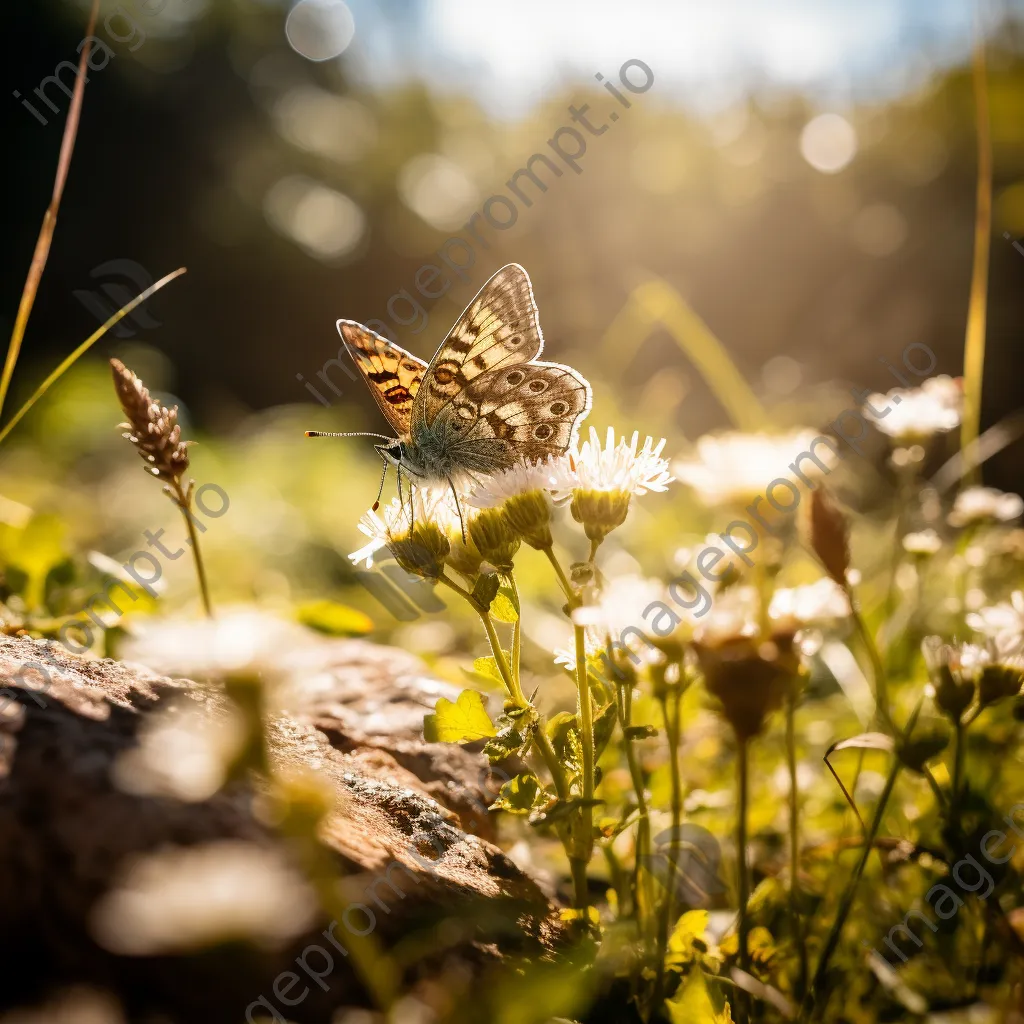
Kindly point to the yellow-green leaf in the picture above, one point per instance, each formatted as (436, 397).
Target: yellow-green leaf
(503, 609)
(334, 619)
(694, 1004)
(35, 550)
(518, 795)
(691, 926)
(462, 722)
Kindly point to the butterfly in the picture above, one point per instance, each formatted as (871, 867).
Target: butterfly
(484, 402)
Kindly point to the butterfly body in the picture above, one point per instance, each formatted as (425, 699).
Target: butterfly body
(484, 401)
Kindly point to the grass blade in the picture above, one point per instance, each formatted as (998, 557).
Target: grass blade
(84, 347)
(42, 250)
(974, 343)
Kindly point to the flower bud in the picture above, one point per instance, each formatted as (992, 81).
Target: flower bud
(493, 536)
(999, 681)
(599, 512)
(422, 551)
(529, 514)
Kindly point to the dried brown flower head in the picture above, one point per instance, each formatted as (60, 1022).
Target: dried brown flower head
(151, 427)
(829, 535)
(749, 676)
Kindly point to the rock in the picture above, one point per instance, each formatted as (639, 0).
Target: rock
(85, 864)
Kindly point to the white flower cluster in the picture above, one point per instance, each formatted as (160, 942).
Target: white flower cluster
(733, 467)
(182, 899)
(617, 466)
(985, 504)
(915, 414)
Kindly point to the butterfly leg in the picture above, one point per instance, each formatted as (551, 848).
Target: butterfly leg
(458, 508)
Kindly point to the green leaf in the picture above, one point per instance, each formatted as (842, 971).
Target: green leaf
(462, 722)
(557, 810)
(769, 892)
(558, 726)
(865, 741)
(35, 550)
(333, 618)
(604, 725)
(503, 608)
(518, 795)
(486, 588)
(693, 1003)
(511, 738)
(485, 670)
(688, 930)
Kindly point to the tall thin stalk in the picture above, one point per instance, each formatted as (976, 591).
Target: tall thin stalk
(974, 342)
(813, 999)
(642, 852)
(670, 707)
(585, 836)
(183, 498)
(742, 876)
(583, 846)
(794, 840)
(68, 361)
(45, 239)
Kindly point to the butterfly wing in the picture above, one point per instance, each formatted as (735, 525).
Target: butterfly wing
(529, 411)
(498, 329)
(392, 374)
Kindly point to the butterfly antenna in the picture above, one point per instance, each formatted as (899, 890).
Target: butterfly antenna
(380, 490)
(359, 433)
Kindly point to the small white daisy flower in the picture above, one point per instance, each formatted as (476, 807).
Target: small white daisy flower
(238, 641)
(916, 414)
(926, 542)
(606, 478)
(552, 474)
(526, 493)
(372, 526)
(620, 466)
(734, 614)
(183, 899)
(1003, 622)
(985, 504)
(735, 467)
(811, 604)
(418, 531)
(621, 605)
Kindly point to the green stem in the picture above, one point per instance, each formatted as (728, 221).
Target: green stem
(794, 840)
(877, 664)
(958, 769)
(563, 580)
(670, 707)
(584, 833)
(812, 999)
(641, 857)
(585, 836)
(183, 499)
(743, 880)
(550, 758)
(511, 681)
(517, 637)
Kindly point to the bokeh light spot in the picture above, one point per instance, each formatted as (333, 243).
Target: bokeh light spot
(879, 229)
(828, 143)
(437, 190)
(327, 224)
(320, 29)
